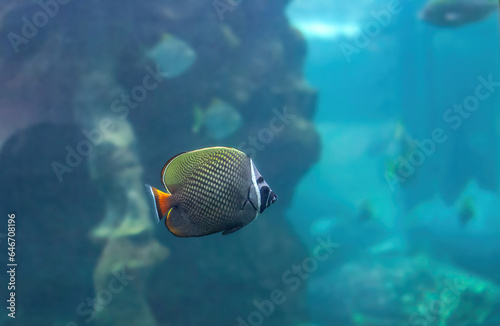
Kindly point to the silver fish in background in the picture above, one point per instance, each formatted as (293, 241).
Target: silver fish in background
(210, 190)
(219, 121)
(173, 55)
(454, 13)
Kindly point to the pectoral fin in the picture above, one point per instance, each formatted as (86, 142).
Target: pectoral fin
(253, 197)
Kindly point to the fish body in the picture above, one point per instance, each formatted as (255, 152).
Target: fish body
(210, 190)
(173, 56)
(366, 212)
(323, 226)
(219, 121)
(454, 13)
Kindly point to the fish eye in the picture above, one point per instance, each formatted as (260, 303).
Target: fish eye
(260, 179)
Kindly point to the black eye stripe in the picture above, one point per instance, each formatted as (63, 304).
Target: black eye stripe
(264, 194)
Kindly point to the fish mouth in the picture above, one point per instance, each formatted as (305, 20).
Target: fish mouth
(272, 198)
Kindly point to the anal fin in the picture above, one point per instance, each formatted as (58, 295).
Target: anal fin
(232, 230)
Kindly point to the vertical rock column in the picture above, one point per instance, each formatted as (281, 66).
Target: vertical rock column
(121, 277)
(113, 162)
(130, 251)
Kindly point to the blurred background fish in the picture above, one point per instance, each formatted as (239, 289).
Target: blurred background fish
(173, 56)
(218, 121)
(454, 13)
(467, 211)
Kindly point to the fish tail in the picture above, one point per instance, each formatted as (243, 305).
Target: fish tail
(160, 202)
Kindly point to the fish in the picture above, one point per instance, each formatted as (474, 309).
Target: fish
(173, 56)
(219, 121)
(366, 212)
(401, 145)
(467, 211)
(210, 190)
(390, 141)
(455, 13)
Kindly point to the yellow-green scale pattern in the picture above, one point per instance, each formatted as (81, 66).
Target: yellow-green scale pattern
(215, 191)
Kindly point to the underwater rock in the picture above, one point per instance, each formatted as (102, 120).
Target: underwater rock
(439, 228)
(113, 161)
(454, 13)
(53, 220)
(251, 60)
(259, 76)
(32, 90)
(396, 291)
(120, 280)
(322, 226)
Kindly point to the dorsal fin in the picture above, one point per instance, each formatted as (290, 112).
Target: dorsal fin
(179, 167)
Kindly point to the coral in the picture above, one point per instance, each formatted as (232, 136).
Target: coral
(402, 290)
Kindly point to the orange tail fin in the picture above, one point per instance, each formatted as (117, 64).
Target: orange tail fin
(160, 201)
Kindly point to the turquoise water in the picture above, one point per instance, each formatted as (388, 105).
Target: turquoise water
(406, 74)
(378, 131)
